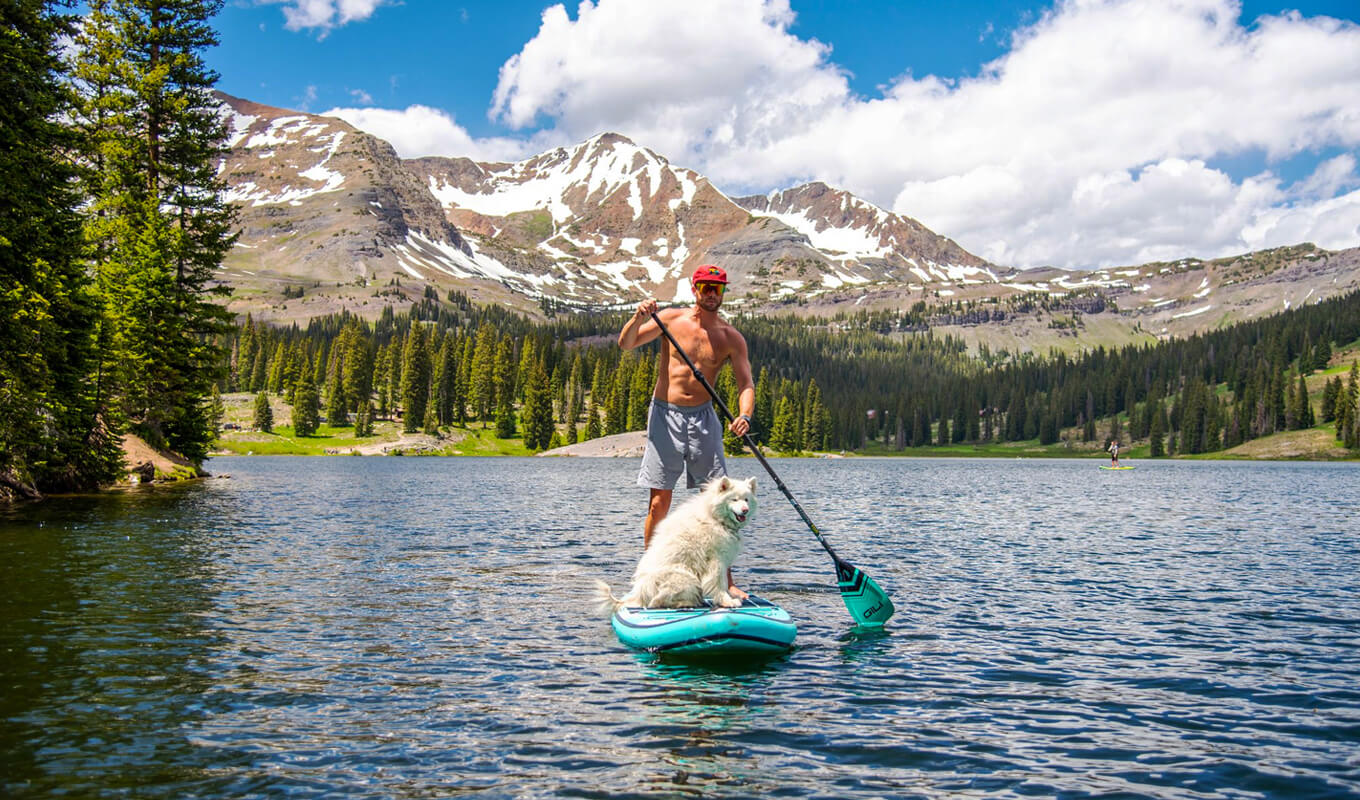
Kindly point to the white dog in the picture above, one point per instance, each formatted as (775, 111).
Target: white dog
(691, 550)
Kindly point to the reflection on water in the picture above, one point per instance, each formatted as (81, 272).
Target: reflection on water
(421, 627)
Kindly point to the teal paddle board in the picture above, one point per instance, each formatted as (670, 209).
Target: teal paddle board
(757, 627)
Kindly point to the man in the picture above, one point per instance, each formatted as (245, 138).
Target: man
(1114, 453)
(684, 433)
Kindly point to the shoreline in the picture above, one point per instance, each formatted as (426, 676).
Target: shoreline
(1313, 445)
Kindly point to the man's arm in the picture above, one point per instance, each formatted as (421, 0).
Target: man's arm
(640, 328)
(746, 390)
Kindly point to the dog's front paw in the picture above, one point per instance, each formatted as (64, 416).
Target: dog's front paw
(727, 601)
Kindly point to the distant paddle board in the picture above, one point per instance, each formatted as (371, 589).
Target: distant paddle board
(757, 627)
(1119, 468)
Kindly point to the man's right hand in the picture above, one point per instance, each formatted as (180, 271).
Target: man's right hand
(647, 307)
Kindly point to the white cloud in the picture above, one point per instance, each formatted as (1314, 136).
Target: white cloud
(1091, 141)
(325, 14)
(674, 75)
(423, 131)
(361, 96)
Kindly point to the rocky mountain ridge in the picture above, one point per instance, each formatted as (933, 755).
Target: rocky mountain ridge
(332, 214)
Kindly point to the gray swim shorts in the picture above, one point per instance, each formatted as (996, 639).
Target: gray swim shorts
(681, 439)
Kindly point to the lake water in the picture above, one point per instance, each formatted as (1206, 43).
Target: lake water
(365, 627)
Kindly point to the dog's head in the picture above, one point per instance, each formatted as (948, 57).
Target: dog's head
(734, 501)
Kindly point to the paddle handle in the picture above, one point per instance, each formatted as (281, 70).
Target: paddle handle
(751, 443)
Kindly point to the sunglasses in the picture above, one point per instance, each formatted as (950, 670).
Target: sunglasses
(710, 286)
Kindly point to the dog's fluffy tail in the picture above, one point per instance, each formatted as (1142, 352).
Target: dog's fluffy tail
(605, 601)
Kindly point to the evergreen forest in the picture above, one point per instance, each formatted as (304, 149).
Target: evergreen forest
(822, 384)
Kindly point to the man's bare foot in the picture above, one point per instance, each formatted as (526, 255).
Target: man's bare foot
(737, 593)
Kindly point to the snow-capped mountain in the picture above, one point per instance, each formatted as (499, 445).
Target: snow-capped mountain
(322, 201)
(870, 244)
(603, 222)
(334, 215)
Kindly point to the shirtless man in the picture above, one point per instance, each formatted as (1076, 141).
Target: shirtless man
(684, 433)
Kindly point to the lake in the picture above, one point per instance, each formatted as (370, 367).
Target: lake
(402, 627)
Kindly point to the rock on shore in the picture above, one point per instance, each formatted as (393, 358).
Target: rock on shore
(620, 445)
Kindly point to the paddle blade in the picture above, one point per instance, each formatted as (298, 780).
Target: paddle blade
(868, 604)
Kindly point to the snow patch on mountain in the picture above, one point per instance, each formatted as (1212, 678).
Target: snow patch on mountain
(840, 243)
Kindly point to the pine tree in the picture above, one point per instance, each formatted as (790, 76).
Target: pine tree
(337, 409)
(1303, 410)
(483, 376)
(363, 419)
(1213, 423)
(358, 379)
(506, 426)
(615, 411)
(537, 411)
(157, 221)
(1322, 353)
(765, 407)
(504, 377)
(782, 436)
(430, 424)
(640, 391)
(1350, 436)
(592, 421)
(264, 415)
(306, 408)
(415, 381)
(1157, 431)
(466, 407)
(57, 431)
(275, 381)
(527, 358)
(943, 432)
(598, 391)
(1048, 429)
(575, 396)
(815, 418)
(1331, 390)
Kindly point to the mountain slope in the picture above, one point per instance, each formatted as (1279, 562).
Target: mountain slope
(333, 214)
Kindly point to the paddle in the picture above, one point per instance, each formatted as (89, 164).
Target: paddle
(867, 603)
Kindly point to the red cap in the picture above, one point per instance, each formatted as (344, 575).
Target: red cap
(709, 273)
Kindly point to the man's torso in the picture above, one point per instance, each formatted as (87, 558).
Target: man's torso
(708, 344)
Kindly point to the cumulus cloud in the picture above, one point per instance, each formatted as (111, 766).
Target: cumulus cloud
(324, 15)
(423, 131)
(1092, 141)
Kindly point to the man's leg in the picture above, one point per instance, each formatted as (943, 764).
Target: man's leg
(732, 587)
(658, 506)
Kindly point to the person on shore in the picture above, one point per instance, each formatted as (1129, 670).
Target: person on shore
(1114, 453)
(684, 433)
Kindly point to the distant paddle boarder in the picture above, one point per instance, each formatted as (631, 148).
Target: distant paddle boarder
(684, 434)
(1114, 453)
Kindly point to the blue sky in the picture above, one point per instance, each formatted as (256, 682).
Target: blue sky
(1079, 133)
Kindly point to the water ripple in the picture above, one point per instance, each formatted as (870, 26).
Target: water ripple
(419, 627)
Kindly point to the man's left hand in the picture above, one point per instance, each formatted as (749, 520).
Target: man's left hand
(739, 426)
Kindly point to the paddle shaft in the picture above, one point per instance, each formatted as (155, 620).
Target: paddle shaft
(746, 437)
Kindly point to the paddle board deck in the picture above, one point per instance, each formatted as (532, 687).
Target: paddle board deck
(757, 627)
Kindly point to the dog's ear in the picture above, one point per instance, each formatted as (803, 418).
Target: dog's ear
(724, 484)
(751, 482)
